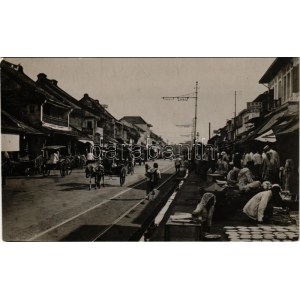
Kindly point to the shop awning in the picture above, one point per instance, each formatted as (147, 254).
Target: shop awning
(10, 124)
(110, 140)
(267, 137)
(272, 122)
(290, 128)
(86, 141)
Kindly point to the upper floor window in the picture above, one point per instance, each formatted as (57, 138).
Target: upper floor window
(89, 124)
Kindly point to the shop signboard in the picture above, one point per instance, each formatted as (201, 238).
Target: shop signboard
(10, 142)
(253, 107)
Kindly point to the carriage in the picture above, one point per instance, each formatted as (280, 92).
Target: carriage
(64, 165)
(117, 166)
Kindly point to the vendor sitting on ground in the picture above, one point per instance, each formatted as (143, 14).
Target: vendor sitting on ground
(260, 206)
(232, 176)
(205, 210)
(246, 182)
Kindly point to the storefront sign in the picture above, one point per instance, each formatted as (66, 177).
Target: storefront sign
(10, 142)
(253, 107)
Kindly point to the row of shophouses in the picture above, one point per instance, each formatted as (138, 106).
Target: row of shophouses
(35, 114)
(271, 118)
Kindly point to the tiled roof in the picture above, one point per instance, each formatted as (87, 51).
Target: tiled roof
(135, 120)
(274, 68)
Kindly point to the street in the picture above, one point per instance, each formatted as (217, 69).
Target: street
(38, 208)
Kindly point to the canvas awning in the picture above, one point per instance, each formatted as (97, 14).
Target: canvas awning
(290, 129)
(86, 141)
(271, 122)
(267, 137)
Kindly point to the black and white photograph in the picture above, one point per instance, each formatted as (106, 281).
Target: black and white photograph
(150, 149)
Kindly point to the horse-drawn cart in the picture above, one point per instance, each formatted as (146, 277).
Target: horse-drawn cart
(117, 169)
(64, 165)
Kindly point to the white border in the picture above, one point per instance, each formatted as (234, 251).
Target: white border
(149, 270)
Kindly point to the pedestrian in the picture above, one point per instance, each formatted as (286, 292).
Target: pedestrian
(153, 175)
(260, 206)
(290, 177)
(257, 159)
(274, 159)
(177, 164)
(237, 160)
(274, 155)
(269, 169)
(247, 158)
(205, 209)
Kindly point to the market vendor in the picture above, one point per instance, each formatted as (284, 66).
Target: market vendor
(245, 179)
(260, 206)
(205, 209)
(232, 176)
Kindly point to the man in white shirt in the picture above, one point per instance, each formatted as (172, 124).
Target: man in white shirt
(54, 158)
(274, 156)
(259, 207)
(257, 159)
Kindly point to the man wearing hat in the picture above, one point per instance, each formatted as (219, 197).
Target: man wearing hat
(260, 206)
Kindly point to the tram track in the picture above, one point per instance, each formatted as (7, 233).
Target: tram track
(105, 229)
(128, 211)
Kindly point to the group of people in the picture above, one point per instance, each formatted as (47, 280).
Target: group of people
(259, 176)
(250, 170)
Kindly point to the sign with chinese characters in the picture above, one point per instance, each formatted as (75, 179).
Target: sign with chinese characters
(254, 107)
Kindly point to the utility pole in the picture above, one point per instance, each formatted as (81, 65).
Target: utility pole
(234, 122)
(196, 103)
(209, 131)
(186, 98)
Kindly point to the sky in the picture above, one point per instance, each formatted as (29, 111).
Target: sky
(135, 87)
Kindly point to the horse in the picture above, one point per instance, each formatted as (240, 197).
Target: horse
(95, 170)
(68, 164)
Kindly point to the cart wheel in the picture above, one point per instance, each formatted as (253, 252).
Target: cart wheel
(122, 176)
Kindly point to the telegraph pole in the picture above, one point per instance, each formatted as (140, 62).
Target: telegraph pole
(196, 103)
(186, 98)
(234, 123)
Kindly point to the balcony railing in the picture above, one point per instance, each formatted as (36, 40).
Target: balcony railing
(55, 120)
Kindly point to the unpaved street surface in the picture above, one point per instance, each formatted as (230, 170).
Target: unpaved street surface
(51, 209)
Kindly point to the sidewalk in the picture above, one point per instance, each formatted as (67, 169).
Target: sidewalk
(186, 201)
